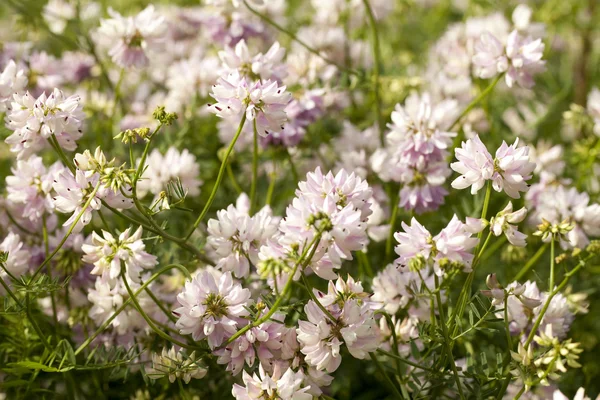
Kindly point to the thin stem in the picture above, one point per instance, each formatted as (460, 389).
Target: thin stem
(148, 320)
(530, 263)
(126, 303)
(390, 239)
(405, 361)
(299, 41)
(551, 281)
(271, 189)
(447, 345)
(219, 178)
(69, 232)
(46, 251)
(308, 288)
(553, 293)
(254, 168)
(476, 101)
(233, 181)
(385, 375)
(376, 71)
(313, 246)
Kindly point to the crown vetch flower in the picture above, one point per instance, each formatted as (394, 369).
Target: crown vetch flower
(509, 170)
(107, 253)
(211, 308)
(452, 245)
(264, 102)
(131, 38)
(12, 80)
(34, 120)
(287, 386)
(174, 364)
(489, 58)
(31, 185)
(525, 55)
(17, 256)
(503, 222)
(236, 237)
(72, 193)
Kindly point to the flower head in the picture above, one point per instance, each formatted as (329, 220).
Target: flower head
(211, 308)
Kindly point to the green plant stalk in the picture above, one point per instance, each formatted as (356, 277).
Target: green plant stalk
(531, 262)
(447, 345)
(385, 375)
(148, 320)
(405, 361)
(390, 239)
(254, 168)
(46, 251)
(233, 181)
(299, 41)
(308, 288)
(106, 323)
(92, 195)
(476, 101)
(219, 178)
(553, 293)
(466, 290)
(313, 246)
(376, 71)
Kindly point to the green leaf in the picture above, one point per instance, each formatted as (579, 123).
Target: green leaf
(37, 366)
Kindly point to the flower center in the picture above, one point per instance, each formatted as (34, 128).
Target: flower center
(216, 306)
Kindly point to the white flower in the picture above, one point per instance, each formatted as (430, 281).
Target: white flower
(31, 185)
(509, 170)
(265, 66)
(17, 256)
(263, 102)
(57, 13)
(72, 193)
(489, 58)
(289, 386)
(33, 120)
(107, 296)
(174, 364)
(503, 222)
(131, 39)
(525, 55)
(107, 253)
(593, 108)
(321, 338)
(211, 309)
(391, 288)
(452, 245)
(173, 165)
(12, 80)
(236, 237)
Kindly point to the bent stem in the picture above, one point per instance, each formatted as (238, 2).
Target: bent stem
(143, 287)
(254, 168)
(313, 246)
(376, 70)
(298, 40)
(69, 232)
(219, 178)
(476, 101)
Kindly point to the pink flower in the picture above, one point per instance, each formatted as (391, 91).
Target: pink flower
(211, 308)
(525, 55)
(489, 58)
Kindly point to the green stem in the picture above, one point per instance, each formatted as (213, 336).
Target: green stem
(405, 361)
(313, 246)
(148, 320)
(46, 252)
(69, 232)
(530, 263)
(308, 288)
(385, 375)
(233, 181)
(553, 293)
(551, 280)
(476, 101)
(447, 345)
(299, 41)
(254, 168)
(390, 239)
(106, 323)
(376, 71)
(219, 178)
